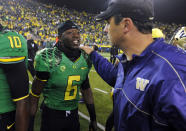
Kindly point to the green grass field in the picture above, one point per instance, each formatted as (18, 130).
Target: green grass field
(103, 102)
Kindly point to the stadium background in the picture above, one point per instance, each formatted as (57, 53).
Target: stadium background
(42, 19)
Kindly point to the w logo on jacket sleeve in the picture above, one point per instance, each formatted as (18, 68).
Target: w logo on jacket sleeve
(141, 83)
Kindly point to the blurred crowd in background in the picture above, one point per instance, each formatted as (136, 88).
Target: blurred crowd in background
(42, 20)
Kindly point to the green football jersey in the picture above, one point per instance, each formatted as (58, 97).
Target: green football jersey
(13, 49)
(66, 77)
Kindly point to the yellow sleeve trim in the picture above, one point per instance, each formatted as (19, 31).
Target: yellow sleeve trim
(18, 99)
(11, 59)
(40, 79)
(34, 94)
(77, 59)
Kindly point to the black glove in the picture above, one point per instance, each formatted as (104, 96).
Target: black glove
(93, 126)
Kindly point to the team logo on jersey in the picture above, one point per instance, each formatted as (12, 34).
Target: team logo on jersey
(141, 83)
(62, 68)
(10, 126)
(68, 113)
(83, 68)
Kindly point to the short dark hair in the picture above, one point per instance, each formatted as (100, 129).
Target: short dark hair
(66, 26)
(143, 27)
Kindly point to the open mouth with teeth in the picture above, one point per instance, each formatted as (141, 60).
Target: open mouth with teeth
(76, 42)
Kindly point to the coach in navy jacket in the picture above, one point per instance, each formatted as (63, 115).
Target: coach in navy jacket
(150, 79)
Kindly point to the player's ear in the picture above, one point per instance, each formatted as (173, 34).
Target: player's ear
(126, 24)
(60, 37)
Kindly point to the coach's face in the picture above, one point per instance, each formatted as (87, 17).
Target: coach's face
(71, 38)
(114, 31)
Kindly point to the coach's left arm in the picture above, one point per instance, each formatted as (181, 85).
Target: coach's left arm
(89, 100)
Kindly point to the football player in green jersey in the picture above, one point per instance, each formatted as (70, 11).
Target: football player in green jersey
(13, 82)
(60, 74)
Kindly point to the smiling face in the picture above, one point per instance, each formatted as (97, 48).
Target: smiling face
(71, 38)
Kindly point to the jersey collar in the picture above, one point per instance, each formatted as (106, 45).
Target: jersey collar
(155, 45)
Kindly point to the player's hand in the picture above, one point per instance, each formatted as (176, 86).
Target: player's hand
(93, 126)
(87, 49)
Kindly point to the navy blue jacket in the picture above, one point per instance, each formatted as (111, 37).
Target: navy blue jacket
(150, 90)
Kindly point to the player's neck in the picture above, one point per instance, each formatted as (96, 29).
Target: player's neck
(71, 54)
(137, 45)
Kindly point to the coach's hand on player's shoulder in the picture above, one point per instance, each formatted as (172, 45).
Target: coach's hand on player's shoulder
(93, 126)
(87, 49)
